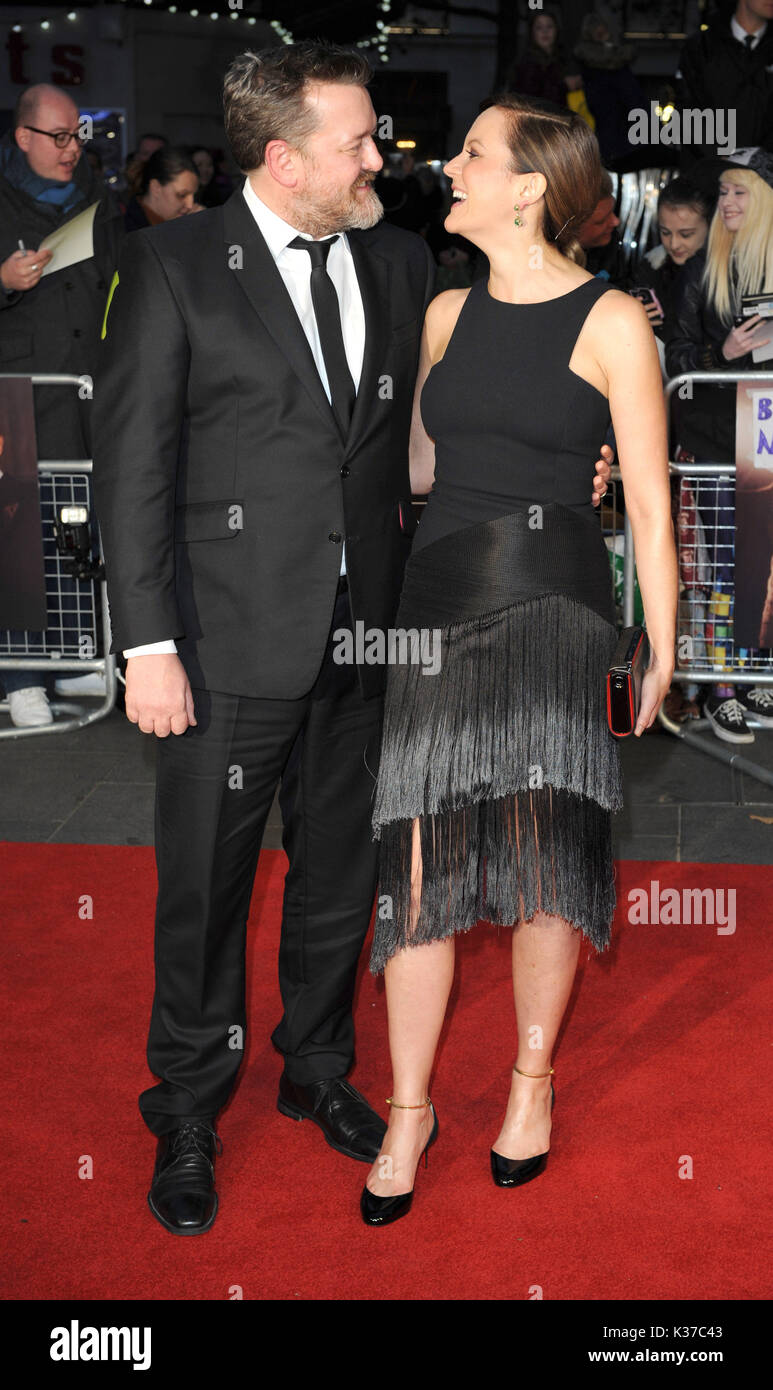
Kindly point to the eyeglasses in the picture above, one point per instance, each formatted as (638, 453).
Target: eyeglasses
(61, 138)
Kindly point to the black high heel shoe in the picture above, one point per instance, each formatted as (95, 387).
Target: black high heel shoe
(513, 1172)
(381, 1211)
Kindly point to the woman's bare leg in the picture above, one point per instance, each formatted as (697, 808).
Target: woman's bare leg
(418, 983)
(545, 953)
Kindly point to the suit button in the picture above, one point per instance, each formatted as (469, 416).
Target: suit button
(345, 471)
(335, 536)
(76, 333)
(68, 284)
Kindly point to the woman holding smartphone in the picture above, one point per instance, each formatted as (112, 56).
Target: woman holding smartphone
(712, 334)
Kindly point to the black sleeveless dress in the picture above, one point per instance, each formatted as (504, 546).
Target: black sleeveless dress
(495, 734)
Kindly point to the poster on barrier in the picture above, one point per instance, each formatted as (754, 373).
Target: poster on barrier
(22, 579)
(753, 616)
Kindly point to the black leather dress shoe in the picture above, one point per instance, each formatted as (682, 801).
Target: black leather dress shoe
(182, 1195)
(344, 1116)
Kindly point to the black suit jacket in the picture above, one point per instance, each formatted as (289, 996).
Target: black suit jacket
(718, 71)
(223, 489)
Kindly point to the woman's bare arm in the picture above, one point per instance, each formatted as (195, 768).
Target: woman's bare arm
(629, 359)
(439, 322)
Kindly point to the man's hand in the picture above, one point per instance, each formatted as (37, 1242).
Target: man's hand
(23, 269)
(158, 695)
(603, 473)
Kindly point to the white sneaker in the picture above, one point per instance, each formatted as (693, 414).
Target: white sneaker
(30, 708)
(726, 715)
(90, 683)
(758, 703)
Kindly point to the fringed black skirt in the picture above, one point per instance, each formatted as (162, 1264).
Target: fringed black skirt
(495, 736)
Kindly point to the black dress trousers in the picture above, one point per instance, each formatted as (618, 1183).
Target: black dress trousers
(215, 786)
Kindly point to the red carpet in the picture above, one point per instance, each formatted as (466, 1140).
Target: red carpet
(662, 1060)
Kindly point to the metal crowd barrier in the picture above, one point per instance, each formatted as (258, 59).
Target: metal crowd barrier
(709, 654)
(77, 623)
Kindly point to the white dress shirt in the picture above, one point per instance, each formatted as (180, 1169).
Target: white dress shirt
(742, 34)
(294, 266)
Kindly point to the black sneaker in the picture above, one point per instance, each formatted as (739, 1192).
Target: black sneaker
(726, 715)
(758, 703)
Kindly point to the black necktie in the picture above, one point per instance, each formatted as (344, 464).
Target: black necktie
(749, 40)
(328, 315)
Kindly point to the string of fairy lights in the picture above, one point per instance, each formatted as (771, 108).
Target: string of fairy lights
(379, 40)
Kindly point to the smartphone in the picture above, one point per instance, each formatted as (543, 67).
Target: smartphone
(647, 297)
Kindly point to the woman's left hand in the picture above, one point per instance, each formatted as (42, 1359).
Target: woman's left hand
(654, 688)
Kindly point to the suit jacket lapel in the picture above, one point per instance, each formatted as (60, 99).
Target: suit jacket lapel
(266, 291)
(373, 276)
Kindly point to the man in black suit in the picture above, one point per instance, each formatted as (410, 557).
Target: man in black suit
(728, 67)
(251, 471)
(250, 509)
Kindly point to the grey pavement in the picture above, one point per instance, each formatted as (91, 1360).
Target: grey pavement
(95, 786)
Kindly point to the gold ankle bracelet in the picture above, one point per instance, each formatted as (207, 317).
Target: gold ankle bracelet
(424, 1103)
(534, 1074)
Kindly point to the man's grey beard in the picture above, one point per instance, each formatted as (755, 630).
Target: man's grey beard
(321, 215)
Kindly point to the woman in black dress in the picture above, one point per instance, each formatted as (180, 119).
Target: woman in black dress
(498, 774)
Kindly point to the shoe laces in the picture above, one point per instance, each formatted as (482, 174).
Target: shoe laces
(759, 696)
(731, 710)
(191, 1137)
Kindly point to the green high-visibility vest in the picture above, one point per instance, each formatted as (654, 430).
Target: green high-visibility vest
(113, 284)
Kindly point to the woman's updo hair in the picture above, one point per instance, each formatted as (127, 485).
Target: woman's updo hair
(165, 165)
(559, 144)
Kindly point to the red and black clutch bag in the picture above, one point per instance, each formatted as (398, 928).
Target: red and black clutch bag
(624, 679)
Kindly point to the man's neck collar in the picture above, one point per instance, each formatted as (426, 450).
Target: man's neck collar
(740, 30)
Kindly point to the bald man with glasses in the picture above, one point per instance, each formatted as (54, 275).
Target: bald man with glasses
(50, 322)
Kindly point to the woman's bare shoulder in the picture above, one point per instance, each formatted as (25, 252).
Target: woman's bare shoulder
(616, 321)
(615, 306)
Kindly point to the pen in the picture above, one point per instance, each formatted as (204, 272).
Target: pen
(22, 247)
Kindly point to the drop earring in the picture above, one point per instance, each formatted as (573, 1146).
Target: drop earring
(516, 220)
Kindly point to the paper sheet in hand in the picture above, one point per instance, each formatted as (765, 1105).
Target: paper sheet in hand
(761, 304)
(71, 243)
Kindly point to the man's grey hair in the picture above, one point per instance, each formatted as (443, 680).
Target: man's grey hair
(264, 95)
